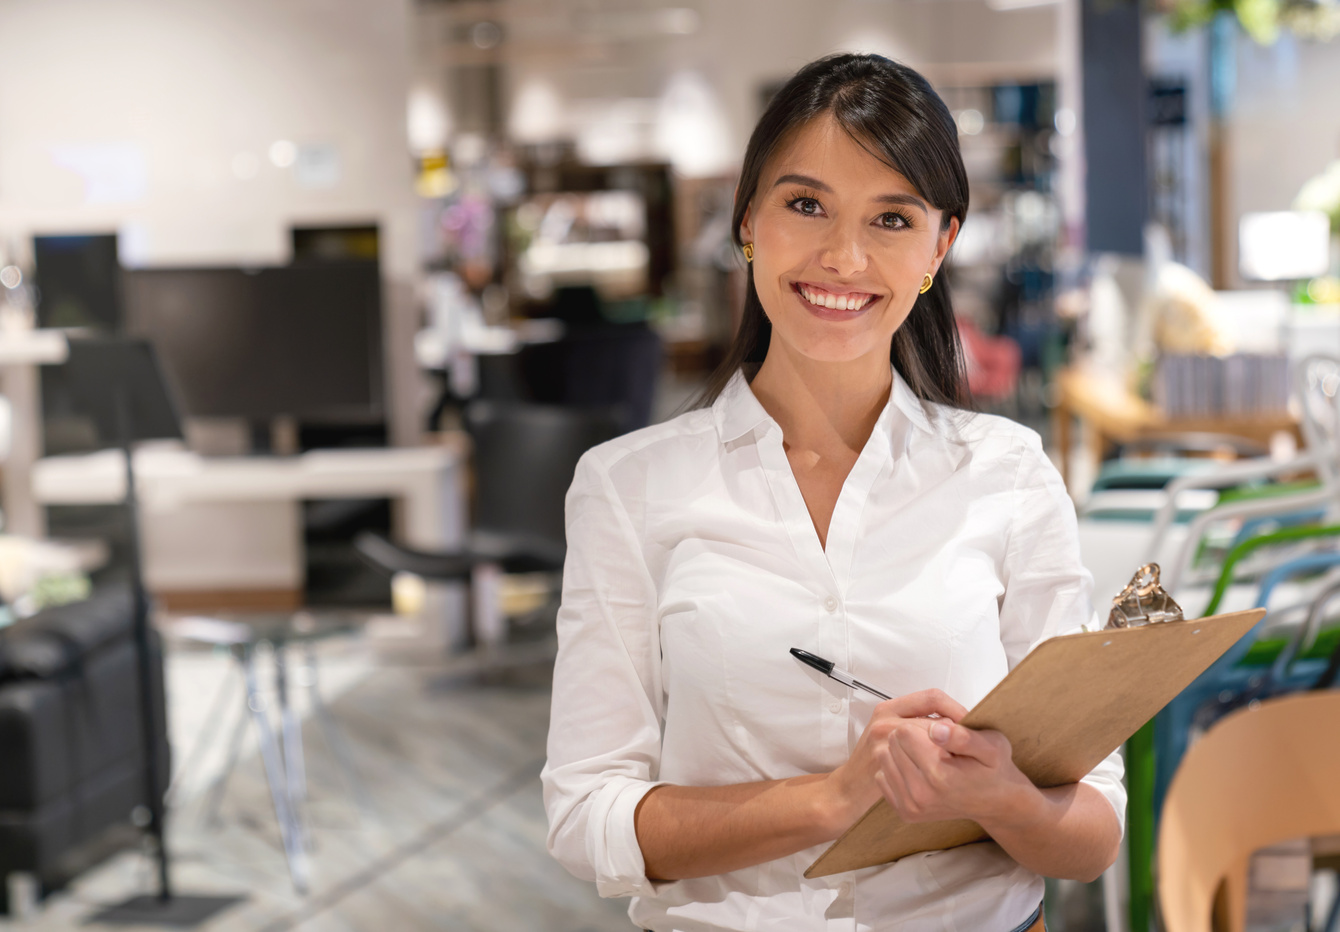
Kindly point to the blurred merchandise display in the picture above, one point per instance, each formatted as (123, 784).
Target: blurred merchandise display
(609, 227)
(1240, 384)
(1183, 309)
(1004, 263)
(596, 238)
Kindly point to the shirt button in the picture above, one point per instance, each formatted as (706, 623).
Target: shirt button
(835, 706)
(830, 605)
(846, 888)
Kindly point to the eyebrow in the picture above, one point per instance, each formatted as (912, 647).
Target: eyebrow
(910, 200)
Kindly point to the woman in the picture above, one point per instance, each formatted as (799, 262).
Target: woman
(830, 501)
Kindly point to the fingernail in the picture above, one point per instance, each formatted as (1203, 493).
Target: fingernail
(939, 733)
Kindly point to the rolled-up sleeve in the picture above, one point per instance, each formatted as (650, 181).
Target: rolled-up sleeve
(605, 725)
(1048, 591)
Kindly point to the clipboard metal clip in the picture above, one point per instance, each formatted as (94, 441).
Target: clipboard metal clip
(1143, 601)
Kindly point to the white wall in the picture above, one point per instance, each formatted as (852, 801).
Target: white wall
(1286, 120)
(155, 117)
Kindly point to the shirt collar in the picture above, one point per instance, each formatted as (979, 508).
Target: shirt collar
(913, 408)
(737, 411)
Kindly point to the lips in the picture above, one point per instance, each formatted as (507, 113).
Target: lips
(833, 301)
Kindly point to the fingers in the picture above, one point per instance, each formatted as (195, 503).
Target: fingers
(990, 747)
(890, 778)
(926, 768)
(911, 739)
(913, 776)
(923, 703)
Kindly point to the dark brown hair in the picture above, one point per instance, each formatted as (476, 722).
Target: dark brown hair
(894, 113)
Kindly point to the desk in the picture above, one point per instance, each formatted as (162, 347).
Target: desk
(1116, 415)
(226, 532)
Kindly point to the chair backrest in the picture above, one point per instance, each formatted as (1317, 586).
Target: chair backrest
(1260, 776)
(1317, 381)
(611, 364)
(525, 457)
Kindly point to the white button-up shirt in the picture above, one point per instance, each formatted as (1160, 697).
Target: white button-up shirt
(693, 567)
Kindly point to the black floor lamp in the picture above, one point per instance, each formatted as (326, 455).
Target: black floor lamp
(118, 385)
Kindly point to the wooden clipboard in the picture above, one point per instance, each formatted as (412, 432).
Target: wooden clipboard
(1067, 705)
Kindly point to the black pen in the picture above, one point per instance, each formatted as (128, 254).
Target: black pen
(827, 668)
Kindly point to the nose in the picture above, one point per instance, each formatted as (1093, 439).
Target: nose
(843, 252)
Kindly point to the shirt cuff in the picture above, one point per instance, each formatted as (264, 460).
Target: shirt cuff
(612, 846)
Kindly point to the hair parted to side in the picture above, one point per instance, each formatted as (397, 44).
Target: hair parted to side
(894, 113)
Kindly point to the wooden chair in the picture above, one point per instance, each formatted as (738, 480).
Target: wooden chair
(1258, 777)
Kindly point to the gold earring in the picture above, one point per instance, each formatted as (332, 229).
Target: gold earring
(926, 283)
(748, 252)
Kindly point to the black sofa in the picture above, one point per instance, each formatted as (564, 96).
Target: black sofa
(71, 741)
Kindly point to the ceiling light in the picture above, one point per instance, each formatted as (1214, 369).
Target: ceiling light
(283, 153)
(970, 122)
(1007, 5)
(485, 35)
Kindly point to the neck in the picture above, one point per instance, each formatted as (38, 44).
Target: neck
(818, 403)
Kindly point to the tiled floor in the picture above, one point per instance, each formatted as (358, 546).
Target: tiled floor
(455, 838)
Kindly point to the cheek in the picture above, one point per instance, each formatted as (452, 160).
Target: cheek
(778, 248)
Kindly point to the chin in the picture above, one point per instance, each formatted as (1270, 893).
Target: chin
(834, 348)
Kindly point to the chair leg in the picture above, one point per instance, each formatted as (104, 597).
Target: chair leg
(488, 623)
(290, 832)
(295, 767)
(1332, 923)
(1234, 893)
(21, 894)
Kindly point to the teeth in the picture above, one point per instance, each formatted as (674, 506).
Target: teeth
(836, 302)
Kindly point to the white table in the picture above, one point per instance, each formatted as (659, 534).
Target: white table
(222, 532)
(21, 352)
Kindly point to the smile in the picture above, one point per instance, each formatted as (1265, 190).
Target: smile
(823, 299)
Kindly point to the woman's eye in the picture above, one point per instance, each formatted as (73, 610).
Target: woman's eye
(892, 221)
(806, 205)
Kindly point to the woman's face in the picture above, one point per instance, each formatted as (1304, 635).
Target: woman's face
(841, 244)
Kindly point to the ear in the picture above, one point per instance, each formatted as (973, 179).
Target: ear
(947, 237)
(746, 226)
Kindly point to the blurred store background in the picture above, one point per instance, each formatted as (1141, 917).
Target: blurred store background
(358, 280)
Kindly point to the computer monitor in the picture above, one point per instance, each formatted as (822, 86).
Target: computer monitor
(302, 340)
(78, 281)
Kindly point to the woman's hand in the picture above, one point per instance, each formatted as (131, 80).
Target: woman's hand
(946, 771)
(853, 787)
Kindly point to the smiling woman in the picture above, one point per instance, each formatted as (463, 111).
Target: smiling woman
(855, 141)
(834, 495)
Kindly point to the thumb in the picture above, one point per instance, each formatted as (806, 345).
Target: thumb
(959, 740)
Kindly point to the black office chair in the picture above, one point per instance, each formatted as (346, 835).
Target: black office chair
(605, 365)
(524, 459)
